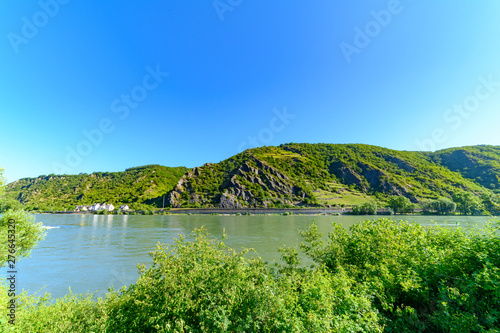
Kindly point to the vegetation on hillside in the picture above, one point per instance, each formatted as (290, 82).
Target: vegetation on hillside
(480, 163)
(321, 174)
(290, 175)
(136, 187)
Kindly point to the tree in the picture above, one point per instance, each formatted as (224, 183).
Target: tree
(368, 208)
(6, 204)
(19, 233)
(490, 203)
(400, 204)
(439, 206)
(467, 203)
(2, 183)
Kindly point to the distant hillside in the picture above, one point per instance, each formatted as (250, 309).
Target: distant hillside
(327, 174)
(290, 175)
(480, 163)
(134, 186)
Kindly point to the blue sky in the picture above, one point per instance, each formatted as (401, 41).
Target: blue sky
(103, 86)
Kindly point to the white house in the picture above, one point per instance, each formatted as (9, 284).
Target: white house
(96, 207)
(124, 207)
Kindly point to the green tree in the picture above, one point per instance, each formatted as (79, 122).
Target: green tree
(400, 204)
(439, 206)
(490, 203)
(27, 234)
(8, 203)
(367, 208)
(467, 204)
(19, 233)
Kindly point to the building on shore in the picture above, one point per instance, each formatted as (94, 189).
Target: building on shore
(95, 207)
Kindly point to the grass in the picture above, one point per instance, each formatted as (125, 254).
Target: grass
(340, 194)
(283, 154)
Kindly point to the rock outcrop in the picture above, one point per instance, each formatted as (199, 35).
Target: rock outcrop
(241, 186)
(369, 179)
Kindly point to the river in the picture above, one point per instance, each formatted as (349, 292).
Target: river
(95, 252)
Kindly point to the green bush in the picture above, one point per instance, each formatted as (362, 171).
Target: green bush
(27, 234)
(467, 204)
(425, 279)
(439, 206)
(7, 204)
(400, 204)
(367, 208)
(204, 286)
(381, 275)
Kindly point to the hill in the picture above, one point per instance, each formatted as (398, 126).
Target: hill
(135, 187)
(326, 174)
(480, 163)
(290, 175)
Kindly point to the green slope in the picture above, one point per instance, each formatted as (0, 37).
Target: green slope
(134, 186)
(480, 163)
(284, 176)
(301, 174)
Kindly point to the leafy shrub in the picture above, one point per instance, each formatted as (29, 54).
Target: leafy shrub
(400, 204)
(204, 286)
(7, 204)
(428, 279)
(467, 204)
(27, 235)
(381, 275)
(367, 208)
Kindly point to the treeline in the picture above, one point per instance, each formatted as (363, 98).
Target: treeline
(464, 203)
(380, 276)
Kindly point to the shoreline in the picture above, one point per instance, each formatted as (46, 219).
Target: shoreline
(248, 212)
(221, 211)
(225, 211)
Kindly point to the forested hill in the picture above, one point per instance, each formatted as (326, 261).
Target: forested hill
(134, 186)
(326, 174)
(284, 176)
(481, 163)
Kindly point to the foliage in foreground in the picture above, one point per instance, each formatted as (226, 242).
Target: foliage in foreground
(204, 286)
(380, 276)
(27, 234)
(423, 279)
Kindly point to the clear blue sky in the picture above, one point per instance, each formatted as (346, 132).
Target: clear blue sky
(410, 75)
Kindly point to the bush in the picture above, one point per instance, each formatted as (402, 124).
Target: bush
(439, 206)
(379, 275)
(428, 279)
(368, 208)
(204, 286)
(400, 204)
(27, 234)
(7, 204)
(467, 204)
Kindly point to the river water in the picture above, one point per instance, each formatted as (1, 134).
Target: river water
(95, 252)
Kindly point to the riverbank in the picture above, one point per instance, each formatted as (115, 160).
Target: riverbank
(222, 211)
(244, 211)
